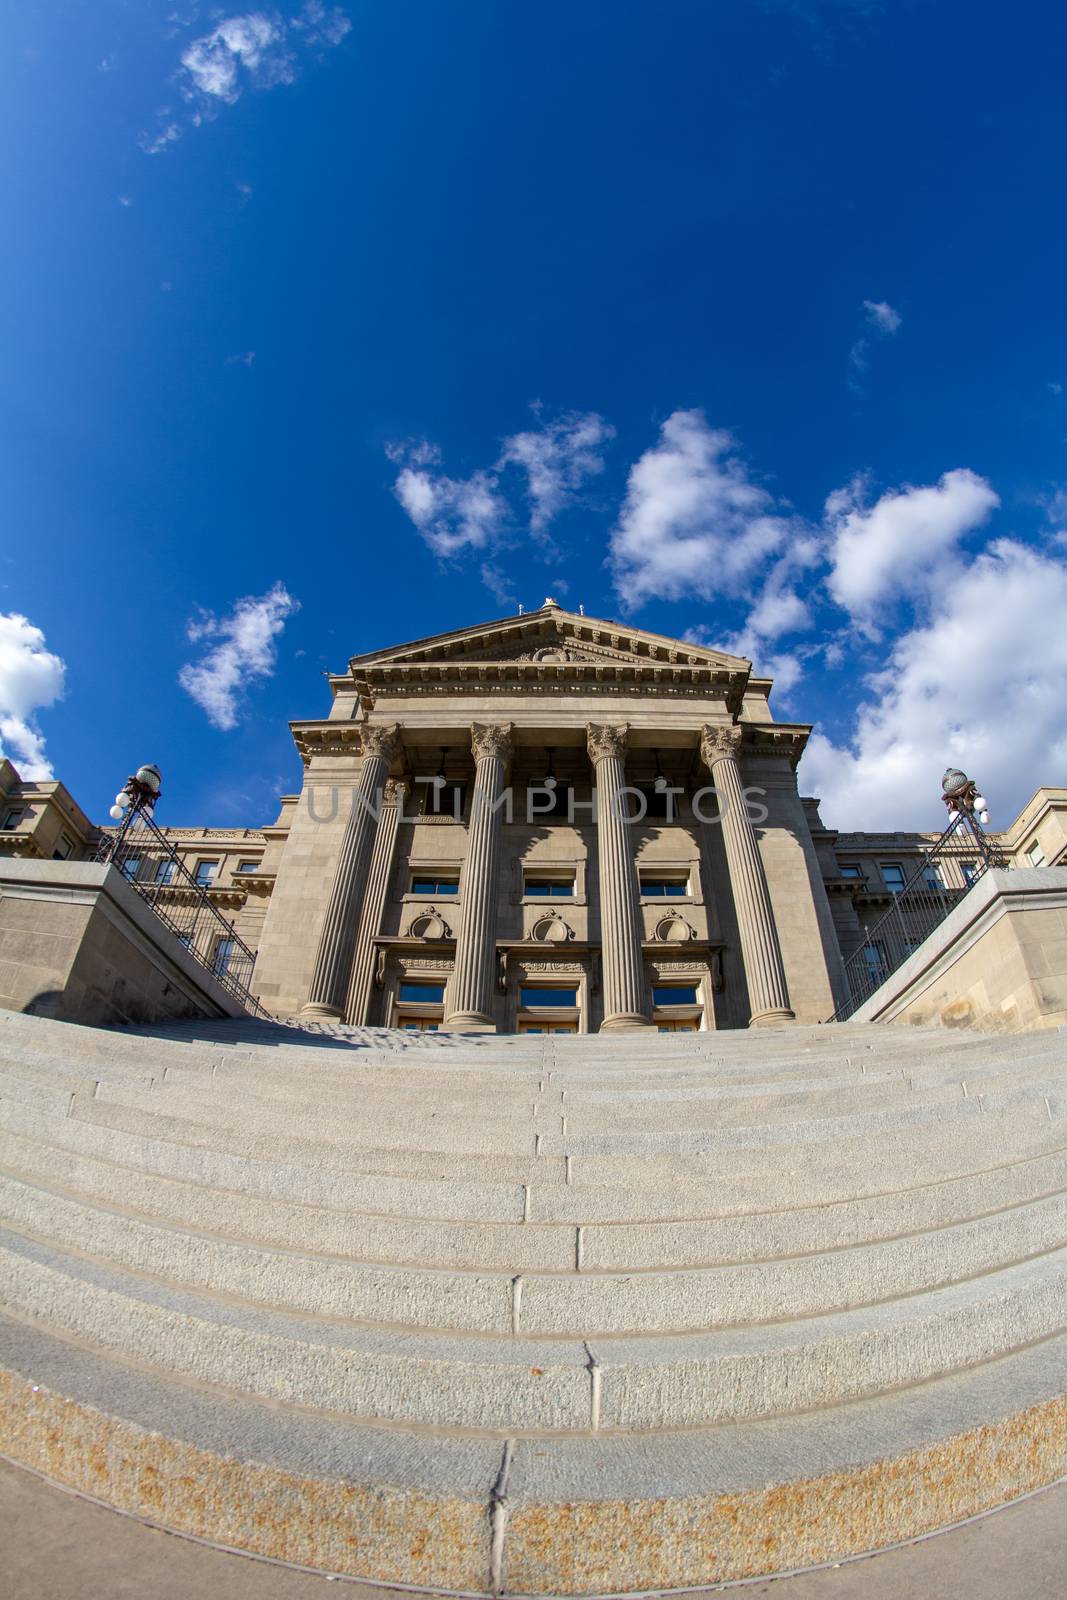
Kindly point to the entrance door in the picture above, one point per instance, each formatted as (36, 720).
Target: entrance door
(677, 1025)
(411, 1024)
(547, 1027)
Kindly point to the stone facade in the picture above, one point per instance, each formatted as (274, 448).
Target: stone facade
(443, 861)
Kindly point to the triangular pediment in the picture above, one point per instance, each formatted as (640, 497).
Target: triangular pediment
(552, 636)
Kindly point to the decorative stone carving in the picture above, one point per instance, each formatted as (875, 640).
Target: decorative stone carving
(491, 739)
(604, 739)
(673, 929)
(717, 741)
(551, 929)
(429, 924)
(540, 968)
(380, 739)
(396, 791)
(427, 963)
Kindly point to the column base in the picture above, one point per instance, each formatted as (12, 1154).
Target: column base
(772, 1019)
(313, 1012)
(625, 1020)
(468, 1022)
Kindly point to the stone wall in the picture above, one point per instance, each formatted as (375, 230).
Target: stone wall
(78, 944)
(998, 962)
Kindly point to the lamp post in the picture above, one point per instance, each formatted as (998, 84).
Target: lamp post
(968, 807)
(137, 797)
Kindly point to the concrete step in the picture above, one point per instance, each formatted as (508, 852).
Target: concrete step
(568, 1303)
(534, 1384)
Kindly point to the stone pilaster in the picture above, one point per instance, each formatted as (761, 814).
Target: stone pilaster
(469, 1001)
(370, 917)
(333, 964)
(623, 980)
(760, 951)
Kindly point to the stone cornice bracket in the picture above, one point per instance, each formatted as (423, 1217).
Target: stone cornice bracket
(491, 739)
(606, 739)
(380, 739)
(719, 741)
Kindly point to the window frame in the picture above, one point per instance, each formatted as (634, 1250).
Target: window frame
(62, 855)
(550, 885)
(885, 867)
(207, 882)
(680, 882)
(1038, 848)
(441, 887)
(16, 812)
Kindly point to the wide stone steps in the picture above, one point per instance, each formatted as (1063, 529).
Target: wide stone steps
(534, 1315)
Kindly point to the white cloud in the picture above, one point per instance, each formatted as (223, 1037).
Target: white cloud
(557, 459)
(901, 543)
(246, 649)
(882, 316)
(256, 49)
(692, 523)
(238, 49)
(31, 679)
(452, 514)
(980, 686)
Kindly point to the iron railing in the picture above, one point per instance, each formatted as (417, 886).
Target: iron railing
(946, 871)
(151, 866)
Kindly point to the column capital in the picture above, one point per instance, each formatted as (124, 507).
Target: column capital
(396, 791)
(718, 741)
(605, 739)
(491, 739)
(380, 739)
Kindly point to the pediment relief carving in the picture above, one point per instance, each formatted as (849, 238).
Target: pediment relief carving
(429, 924)
(551, 929)
(672, 929)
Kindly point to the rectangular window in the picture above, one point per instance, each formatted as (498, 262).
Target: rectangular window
(166, 872)
(223, 956)
(13, 817)
(1036, 856)
(434, 885)
(248, 866)
(674, 994)
(130, 868)
(541, 888)
(850, 869)
(63, 848)
(893, 875)
(533, 996)
(205, 873)
(970, 871)
(430, 994)
(675, 887)
(874, 956)
(932, 879)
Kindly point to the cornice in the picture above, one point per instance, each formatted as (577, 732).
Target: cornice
(435, 678)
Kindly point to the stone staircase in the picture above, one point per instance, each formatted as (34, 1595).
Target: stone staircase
(535, 1315)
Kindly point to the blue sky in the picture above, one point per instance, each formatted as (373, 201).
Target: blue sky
(330, 326)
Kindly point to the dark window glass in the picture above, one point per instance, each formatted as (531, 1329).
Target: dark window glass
(549, 805)
(444, 799)
(674, 994)
(223, 957)
(969, 870)
(247, 866)
(431, 994)
(550, 888)
(664, 888)
(166, 872)
(63, 848)
(205, 873)
(533, 996)
(435, 886)
(13, 818)
(849, 869)
(130, 868)
(893, 876)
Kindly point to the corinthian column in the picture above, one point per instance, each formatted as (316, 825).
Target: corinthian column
(334, 960)
(370, 917)
(470, 992)
(760, 950)
(620, 917)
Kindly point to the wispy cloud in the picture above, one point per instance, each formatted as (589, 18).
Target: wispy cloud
(454, 514)
(254, 50)
(31, 679)
(244, 360)
(244, 651)
(884, 320)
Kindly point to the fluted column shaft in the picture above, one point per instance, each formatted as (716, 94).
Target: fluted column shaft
(623, 979)
(760, 950)
(333, 964)
(470, 992)
(370, 916)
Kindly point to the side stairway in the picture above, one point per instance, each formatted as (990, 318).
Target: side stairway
(535, 1315)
